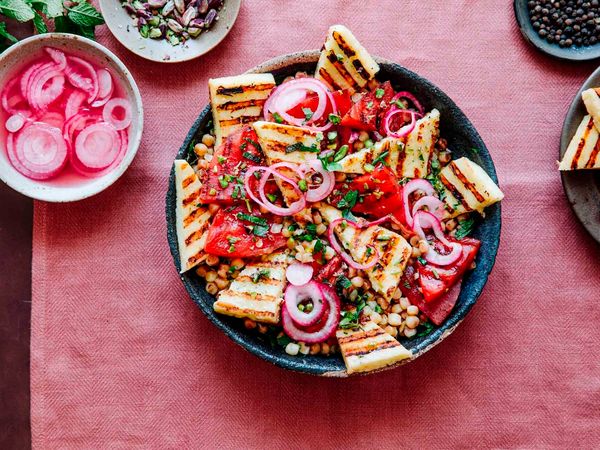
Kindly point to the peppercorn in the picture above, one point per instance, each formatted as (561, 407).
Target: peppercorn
(566, 22)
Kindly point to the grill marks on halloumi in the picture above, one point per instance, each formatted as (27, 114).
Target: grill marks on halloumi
(393, 249)
(261, 300)
(275, 139)
(468, 187)
(591, 101)
(369, 348)
(582, 152)
(344, 63)
(238, 100)
(355, 162)
(419, 145)
(192, 219)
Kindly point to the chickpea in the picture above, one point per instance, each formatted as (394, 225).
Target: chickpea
(340, 177)
(412, 322)
(363, 136)
(383, 303)
(200, 149)
(376, 317)
(396, 309)
(222, 283)
(325, 348)
(358, 145)
(262, 329)
(416, 252)
(317, 219)
(423, 246)
(249, 324)
(404, 303)
(201, 271)
(321, 228)
(450, 224)
(392, 331)
(315, 348)
(414, 240)
(292, 349)
(238, 263)
(412, 310)
(208, 140)
(384, 320)
(410, 332)
(212, 260)
(212, 288)
(394, 319)
(397, 294)
(357, 282)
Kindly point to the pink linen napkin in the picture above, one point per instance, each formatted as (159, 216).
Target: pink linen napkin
(121, 358)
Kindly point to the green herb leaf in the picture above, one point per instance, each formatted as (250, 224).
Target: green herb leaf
(379, 93)
(252, 219)
(335, 119)
(308, 113)
(381, 159)
(327, 165)
(50, 8)
(259, 274)
(39, 24)
(425, 329)
(464, 228)
(300, 147)
(283, 340)
(17, 9)
(349, 200)
(252, 157)
(85, 15)
(341, 153)
(343, 282)
(422, 260)
(277, 117)
(260, 230)
(5, 34)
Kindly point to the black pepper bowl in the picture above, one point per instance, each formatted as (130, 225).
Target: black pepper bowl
(572, 53)
(461, 136)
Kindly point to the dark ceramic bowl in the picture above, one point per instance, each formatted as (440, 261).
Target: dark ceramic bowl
(574, 53)
(582, 187)
(461, 136)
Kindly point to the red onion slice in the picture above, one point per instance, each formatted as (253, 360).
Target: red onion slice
(105, 88)
(299, 274)
(434, 205)
(404, 130)
(412, 98)
(108, 113)
(424, 219)
(24, 83)
(74, 102)
(97, 146)
(53, 118)
(14, 123)
(295, 295)
(329, 324)
(340, 251)
(57, 56)
(263, 201)
(418, 184)
(39, 151)
(82, 75)
(45, 85)
(12, 98)
(77, 123)
(326, 186)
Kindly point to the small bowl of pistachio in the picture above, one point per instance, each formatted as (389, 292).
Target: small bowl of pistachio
(170, 30)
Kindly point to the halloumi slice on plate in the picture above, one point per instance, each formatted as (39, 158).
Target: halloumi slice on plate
(344, 63)
(238, 100)
(468, 187)
(592, 104)
(419, 145)
(257, 293)
(355, 162)
(393, 249)
(277, 141)
(369, 348)
(192, 218)
(582, 152)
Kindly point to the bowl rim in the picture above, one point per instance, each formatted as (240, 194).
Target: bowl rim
(434, 338)
(188, 55)
(49, 193)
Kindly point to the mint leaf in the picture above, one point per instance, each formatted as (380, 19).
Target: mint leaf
(63, 24)
(50, 8)
(5, 34)
(17, 9)
(39, 24)
(86, 16)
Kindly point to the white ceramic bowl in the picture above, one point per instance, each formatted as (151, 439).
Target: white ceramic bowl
(56, 190)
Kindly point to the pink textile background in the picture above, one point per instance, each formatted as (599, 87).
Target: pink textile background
(121, 358)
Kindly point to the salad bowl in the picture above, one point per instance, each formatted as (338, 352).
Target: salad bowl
(462, 139)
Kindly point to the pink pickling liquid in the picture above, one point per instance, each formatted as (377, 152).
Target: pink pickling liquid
(68, 176)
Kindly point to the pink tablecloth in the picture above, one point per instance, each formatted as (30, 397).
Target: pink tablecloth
(121, 358)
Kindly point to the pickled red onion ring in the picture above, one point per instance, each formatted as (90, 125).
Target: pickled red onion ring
(87, 83)
(402, 131)
(412, 98)
(108, 113)
(294, 208)
(326, 186)
(57, 56)
(433, 204)
(424, 219)
(14, 123)
(418, 184)
(105, 88)
(97, 146)
(296, 294)
(74, 102)
(343, 254)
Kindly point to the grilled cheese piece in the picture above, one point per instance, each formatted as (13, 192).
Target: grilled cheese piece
(344, 63)
(356, 162)
(257, 293)
(582, 152)
(275, 140)
(192, 218)
(419, 145)
(592, 104)
(393, 249)
(468, 187)
(369, 348)
(238, 100)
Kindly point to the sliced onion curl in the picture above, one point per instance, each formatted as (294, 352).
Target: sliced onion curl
(299, 274)
(418, 184)
(44, 86)
(108, 113)
(262, 199)
(343, 254)
(324, 328)
(289, 92)
(327, 183)
(97, 146)
(412, 98)
(14, 123)
(297, 295)
(12, 98)
(426, 220)
(74, 102)
(82, 75)
(434, 205)
(57, 56)
(105, 88)
(405, 129)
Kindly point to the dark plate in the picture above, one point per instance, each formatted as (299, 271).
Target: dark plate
(581, 186)
(461, 136)
(530, 35)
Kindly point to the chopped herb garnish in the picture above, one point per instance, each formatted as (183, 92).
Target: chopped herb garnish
(349, 319)
(191, 156)
(349, 200)
(332, 135)
(232, 240)
(340, 154)
(378, 309)
(369, 168)
(221, 159)
(252, 219)
(236, 191)
(334, 119)
(262, 273)
(318, 246)
(260, 230)
(212, 191)
(436, 275)
(277, 117)
(252, 157)
(422, 260)
(271, 197)
(425, 329)
(343, 282)
(223, 182)
(330, 166)
(303, 185)
(379, 93)
(300, 147)
(406, 284)
(464, 228)
(369, 105)
(384, 238)
(255, 144)
(308, 113)
(381, 159)
(369, 143)
(339, 57)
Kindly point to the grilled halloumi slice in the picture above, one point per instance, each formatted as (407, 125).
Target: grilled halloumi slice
(369, 348)
(592, 104)
(468, 187)
(582, 152)
(275, 140)
(393, 249)
(419, 145)
(257, 293)
(356, 162)
(344, 63)
(238, 100)
(192, 218)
